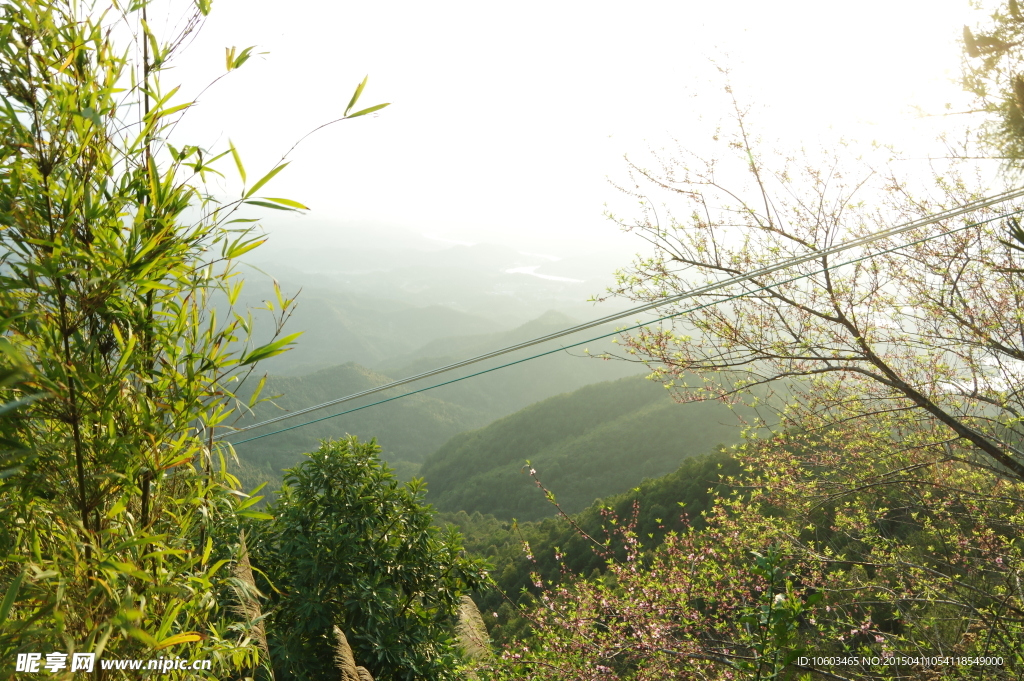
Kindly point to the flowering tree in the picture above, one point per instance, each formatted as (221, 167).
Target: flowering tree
(911, 582)
(880, 518)
(927, 322)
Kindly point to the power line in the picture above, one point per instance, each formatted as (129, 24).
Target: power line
(615, 333)
(863, 241)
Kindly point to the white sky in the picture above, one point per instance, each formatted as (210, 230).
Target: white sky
(506, 119)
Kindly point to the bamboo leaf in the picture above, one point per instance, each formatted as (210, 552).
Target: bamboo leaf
(266, 178)
(126, 352)
(190, 637)
(269, 350)
(238, 249)
(168, 621)
(17, 404)
(10, 472)
(256, 515)
(378, 107)
(166, 98)
(67, 62)
(238, 161)
(247, 503)
(267, 204)
(217, 566)
(259, 389)
(117, 508)
(174, 109)
(355, 96)
(10, 596)
(287, 202)
(141, 635)
(243, 57)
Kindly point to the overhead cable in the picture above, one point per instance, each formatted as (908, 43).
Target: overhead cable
(792, 262)
(619, 331)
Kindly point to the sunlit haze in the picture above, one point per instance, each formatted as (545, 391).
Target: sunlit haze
(506, 121)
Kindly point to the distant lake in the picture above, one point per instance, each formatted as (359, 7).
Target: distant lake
(531, 270)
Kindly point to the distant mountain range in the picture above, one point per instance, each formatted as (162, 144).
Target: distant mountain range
(501, 284)
(507, 390)
(411, 428)
(407, 300)
(385, 305)
(340, 327)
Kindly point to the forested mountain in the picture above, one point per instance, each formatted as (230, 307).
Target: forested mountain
(503, 392)
(407, 429)
(413, 427)
(599, 440)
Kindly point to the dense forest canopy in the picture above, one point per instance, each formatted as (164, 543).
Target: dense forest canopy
(599, 440)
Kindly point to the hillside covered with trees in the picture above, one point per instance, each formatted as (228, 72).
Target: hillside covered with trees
(599, 440)
(519, 550)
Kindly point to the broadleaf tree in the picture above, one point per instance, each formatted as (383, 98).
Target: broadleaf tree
(352, 547)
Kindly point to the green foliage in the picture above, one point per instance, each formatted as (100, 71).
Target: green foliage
(599, 440)
(993, 72)
(351, 547)
(119, 517)
(773, 623)
(107, 545)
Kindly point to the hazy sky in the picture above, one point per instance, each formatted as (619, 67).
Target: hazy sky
(507, 118)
